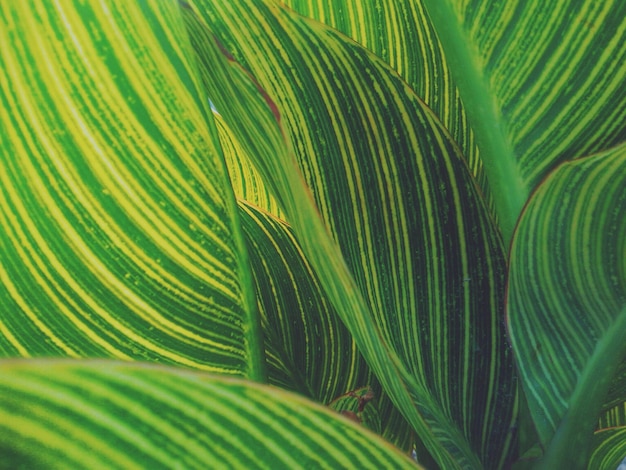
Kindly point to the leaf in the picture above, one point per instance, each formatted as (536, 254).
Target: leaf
(609, 441)
(614, 417)
(567, 300)
(246, 181)
(541, 83)
(610, 450)
(359, 405)
(103, 414)
(424, 306)
(308, 349)
(401, 35)
(118, 228)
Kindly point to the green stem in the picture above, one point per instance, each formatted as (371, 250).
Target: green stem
(496, 152)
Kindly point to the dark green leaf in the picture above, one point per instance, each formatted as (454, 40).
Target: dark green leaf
(425, 304)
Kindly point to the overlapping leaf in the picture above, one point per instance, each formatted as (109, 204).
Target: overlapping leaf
(102, 414)
(118, 226)
(246, 181)
(610, 449)
(308, 349)
(395, 193)
(541, 82)
(567, 300)
(401, 34)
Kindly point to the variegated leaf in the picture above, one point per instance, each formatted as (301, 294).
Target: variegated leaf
(103, 414)
(401, 34)
(541, 82)
(118, 226)
(246, 181)
(426, 303)
(308, 349)
(567, 301)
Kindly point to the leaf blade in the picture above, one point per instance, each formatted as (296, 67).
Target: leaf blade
(111, 227)
(337, 176)
(143, 416)
(541, 83)
(566, 296)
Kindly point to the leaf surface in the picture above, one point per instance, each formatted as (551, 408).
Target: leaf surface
(308, 349)
(118, 228)
(424, 305)
(567, 300)
(610, 449)
(401, 34)
(541, 82)
(246, 181)
(103, 414)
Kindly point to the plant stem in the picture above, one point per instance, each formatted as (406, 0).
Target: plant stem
(496, 151)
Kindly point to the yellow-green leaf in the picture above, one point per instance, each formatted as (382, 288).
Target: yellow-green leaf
(246, 181)
(118, 227)
(541, 82)
(103, 414)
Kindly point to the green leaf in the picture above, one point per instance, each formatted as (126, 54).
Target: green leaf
(359, 405)
(425, 302)
(245, 179)
(567, 301)
(609, 441)
(541, 82)
(118, 227)
(401, 35)
(307, 347)
(614, 416)
(610, 450)
(103, 414)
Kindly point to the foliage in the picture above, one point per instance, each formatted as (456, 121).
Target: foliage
(214, 214)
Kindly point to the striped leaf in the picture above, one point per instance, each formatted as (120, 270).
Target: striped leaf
(610, 450)
(424, 292)
(614, 416)
(541, 82)
(401, 34)
(103, 414)
(360, 406)
(308, 349)
(567, 301)
(609, 441)
(118, 227)
(245, 179)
